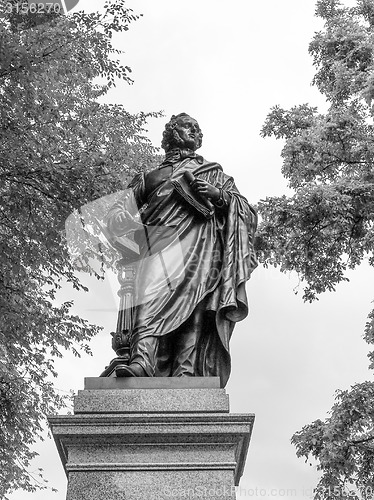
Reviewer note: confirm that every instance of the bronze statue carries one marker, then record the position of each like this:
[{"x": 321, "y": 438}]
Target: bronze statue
[{"x": 195, "y": 256}]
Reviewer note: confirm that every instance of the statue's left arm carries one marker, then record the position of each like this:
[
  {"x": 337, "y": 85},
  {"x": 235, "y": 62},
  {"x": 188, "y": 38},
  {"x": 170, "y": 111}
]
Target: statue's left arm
[
  {"x": 223, "y": 191},
  {"x": 237, "y": 220}
]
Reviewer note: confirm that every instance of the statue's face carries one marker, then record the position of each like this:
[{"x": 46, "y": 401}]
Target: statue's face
[{"x": 188, "y": 130}]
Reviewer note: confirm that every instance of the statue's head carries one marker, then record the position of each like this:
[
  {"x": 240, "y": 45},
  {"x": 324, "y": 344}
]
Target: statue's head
[{"x": 182, "y": 131}]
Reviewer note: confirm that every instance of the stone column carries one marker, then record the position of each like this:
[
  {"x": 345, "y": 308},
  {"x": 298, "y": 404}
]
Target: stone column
[{"x": 152, "y": 439}]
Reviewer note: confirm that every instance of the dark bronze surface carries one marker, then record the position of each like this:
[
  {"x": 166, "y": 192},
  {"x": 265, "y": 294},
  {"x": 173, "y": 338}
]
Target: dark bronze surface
[{"x": 179, "y": 311}]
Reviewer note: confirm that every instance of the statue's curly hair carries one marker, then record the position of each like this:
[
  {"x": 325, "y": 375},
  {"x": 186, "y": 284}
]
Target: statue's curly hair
[{"x": 171, "y": 137}]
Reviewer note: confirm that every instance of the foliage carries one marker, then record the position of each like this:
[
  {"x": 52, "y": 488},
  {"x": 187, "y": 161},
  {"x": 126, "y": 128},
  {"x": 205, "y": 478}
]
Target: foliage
[
  {"x": 60, "y": 149},
  {"x": 327, "y": 226},
  {"x": 343, "y": 445}
]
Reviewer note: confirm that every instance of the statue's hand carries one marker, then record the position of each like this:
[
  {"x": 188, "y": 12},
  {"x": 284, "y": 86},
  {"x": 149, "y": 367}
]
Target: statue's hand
[
  {"x": 205, "y": 189},
  {"x": 126, "y": 223}
]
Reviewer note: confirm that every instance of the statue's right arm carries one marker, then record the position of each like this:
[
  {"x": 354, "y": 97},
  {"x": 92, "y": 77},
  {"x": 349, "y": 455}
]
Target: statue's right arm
[
  {"x": 137, "y": 186},
  {"x": 121, "y": 216}
]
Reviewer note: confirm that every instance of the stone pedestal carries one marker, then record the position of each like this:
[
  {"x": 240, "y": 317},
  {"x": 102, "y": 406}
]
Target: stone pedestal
[{"x": 152, "y": 439}]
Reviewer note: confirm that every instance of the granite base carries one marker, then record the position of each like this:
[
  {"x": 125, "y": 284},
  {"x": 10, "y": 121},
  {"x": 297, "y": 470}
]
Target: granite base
[{"x": 148, "y": 443}]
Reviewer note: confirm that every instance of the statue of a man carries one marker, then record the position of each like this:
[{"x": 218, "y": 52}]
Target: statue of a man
[{"x": 196, "y": 254}]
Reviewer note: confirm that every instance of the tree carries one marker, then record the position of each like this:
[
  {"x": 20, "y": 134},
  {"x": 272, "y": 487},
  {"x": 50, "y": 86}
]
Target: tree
[
  {"x": 327, "y": 226},
  {"x": 60, "y": 148}
]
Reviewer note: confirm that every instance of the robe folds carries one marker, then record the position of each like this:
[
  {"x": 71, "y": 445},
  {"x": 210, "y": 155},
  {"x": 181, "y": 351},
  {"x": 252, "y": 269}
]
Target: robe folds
[{"x": 188, "y": 260}]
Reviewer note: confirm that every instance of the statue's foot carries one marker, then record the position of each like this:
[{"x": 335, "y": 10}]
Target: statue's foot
[{"x": 133, "y": 370}]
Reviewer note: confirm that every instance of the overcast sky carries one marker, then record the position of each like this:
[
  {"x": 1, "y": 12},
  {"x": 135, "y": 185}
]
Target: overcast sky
[{"x": 226, "y": 64}]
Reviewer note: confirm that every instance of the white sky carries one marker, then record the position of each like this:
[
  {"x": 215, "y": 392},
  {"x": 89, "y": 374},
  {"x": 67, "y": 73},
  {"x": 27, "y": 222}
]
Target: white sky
[{"x": 226, "y": 63}]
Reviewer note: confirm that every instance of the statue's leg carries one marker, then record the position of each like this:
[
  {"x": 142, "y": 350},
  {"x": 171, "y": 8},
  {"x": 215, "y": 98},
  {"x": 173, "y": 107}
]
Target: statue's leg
[
  {"x": 152, "y": 357},
  {"x": 143, "y": 354},
  {"x": 185, "y": 344}
]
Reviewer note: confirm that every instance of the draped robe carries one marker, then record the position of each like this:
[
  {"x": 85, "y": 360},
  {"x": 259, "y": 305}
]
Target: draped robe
[{"x": 187, "y": 260}]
